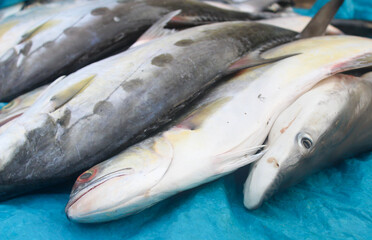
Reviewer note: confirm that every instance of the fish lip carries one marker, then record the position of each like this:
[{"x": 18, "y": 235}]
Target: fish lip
[{"x": 74, "y": 197}]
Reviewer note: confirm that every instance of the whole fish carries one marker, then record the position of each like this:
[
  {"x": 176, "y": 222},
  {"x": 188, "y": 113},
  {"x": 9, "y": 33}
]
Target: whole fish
[
  {"x": 326, "y": 125},
  {"x": 215, "y": 138},
  {"x": 82, "y": 33}
]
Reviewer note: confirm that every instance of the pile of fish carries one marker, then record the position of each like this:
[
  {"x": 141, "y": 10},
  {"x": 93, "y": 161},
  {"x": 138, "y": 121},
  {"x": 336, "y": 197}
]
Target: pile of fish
[{"x": 146, "y": 98}]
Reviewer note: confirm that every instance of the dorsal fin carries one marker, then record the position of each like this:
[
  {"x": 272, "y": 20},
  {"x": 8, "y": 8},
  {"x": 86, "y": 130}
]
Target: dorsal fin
[
  {"x": 321, "y": 20},
  {"x": 157, "y": 30}
]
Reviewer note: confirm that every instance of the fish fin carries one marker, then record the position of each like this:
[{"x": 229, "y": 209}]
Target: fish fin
[
  {"x": 157, "y": 30},
  {"x": 196, "y": 118},
  {"x": 66, "y": 95},
  {"x": 28, "y": 35},
  {"x": 232, "y": 160},
  {"x": 251, "y": 60},
  {"x": 363, "y": 61},
  {"x": 319, "y": 23}
]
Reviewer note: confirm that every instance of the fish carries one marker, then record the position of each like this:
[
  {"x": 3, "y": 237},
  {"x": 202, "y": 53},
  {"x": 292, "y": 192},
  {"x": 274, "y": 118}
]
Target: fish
[
  {"x": 18, "y": 106},
  {"x": 234, "y": 118},
  {"x": 354, "y": 27},
  {"x": 326, "y": 125},
  {"x": 91, "y": 115},
  {"x": 61, "y": 40}
]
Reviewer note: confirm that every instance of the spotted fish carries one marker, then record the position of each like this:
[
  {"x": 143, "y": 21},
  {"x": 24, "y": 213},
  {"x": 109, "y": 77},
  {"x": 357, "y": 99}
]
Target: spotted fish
[
  {"x": 55, "y": 44},
  {"x": 86, "y": 117}
]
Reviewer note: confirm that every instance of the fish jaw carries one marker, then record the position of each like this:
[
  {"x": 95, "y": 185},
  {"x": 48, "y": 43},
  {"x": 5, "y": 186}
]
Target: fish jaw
[
  {"x": 98, "y": 203},
  {"x": 264, "y": 175}
]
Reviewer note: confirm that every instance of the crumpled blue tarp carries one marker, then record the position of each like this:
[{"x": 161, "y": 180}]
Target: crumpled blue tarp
[
  {"x": 7, "y": 3},
  {"x": 333, "y": 204}
]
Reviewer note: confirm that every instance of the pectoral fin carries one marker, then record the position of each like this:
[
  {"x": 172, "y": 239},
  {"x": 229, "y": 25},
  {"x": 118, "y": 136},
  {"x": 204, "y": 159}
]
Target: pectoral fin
[
  {"x": 232, "y": 160},
  {"x": 28, "y": 35},
  {"x": 157, "y": 30},
  {"x": 195, "y": 119},
  {"x": 66, "y": 95}
]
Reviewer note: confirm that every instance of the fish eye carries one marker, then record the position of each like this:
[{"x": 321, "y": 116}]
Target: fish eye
[
  {"x": 87, "y": 175},
  {"x": 305, "y": 140}
]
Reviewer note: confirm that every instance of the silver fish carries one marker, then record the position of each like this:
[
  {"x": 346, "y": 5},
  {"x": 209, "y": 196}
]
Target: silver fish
[
  {"x": 89, "y": 115},
  {"x": 219, "y": 135},
  {"x": 324, "y": 126},
  {"x": 82, "y": 33}
]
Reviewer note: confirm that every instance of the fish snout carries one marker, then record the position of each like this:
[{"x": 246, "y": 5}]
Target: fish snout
[{"x": 261, "y": 182}]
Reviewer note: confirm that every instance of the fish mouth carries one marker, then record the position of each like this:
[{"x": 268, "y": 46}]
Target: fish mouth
[
  {"x": 75, "y": 196},
  {"x": 260, "y": 186}
]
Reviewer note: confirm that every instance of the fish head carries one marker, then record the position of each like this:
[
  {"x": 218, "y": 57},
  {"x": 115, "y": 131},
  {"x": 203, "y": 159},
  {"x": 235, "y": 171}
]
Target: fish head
[
  {"x": 119, "y": 186},
  {"x": 314, "y": 132}
]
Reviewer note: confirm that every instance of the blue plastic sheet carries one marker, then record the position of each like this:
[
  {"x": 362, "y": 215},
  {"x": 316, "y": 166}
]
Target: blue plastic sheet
[
  {"x": 350, "y": 9},
  {"x": 333, "y": 204},
  {"x": 7, "y": 3}
]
